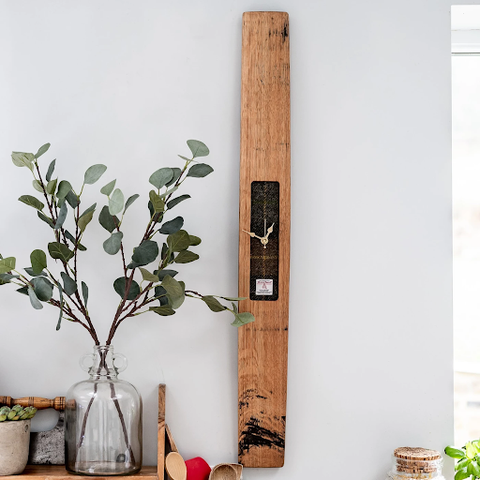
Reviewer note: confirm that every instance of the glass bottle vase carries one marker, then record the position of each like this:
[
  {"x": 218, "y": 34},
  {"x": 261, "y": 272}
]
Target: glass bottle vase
[{"x": 103, "y": 419}]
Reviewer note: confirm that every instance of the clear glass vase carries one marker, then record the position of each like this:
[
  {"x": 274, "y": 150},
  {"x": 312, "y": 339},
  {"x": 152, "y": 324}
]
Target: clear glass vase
[{"x": 103, "y": 419}]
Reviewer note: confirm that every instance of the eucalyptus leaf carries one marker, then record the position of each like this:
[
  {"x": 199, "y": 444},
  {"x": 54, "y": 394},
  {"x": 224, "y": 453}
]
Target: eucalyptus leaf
[
  {"x": 23, "y": 291},
  {"x": 177, "y": 200},
  {"x": 172, "y": 226},
  {"x": 107, "y": 221},
  {"x": 178, "y": 241},
  {"x": 51, "y": 169},
  {"x": 157, "y": 203},
  {"x": 185, "y": 158},
  {"x": 85, "y": 292},
  {"x": 69, "y": 284},
  {"x": 46, "y": 219},
  {"x": 120, "y": 285},
  {"x": 108, "y": 188},
  {"x": 130, "y": 200},
  {"x": 30, "y": 272},
  {"x": 194, "y": 241},
  {"x": 62, "y": 215},
  {"x": 148, "y": 277},
  {"x": 43, "y": 149},
  {"x": 7, "y": 264},
  {"x": 38, "y": 259},
  {"x": 164, "y": 310},
  {"x": 213, "y": 304},
  {"x": 161, "y": 177},
  {"x": 63, "y": 188},
  {"x": 198, "y": 149},
  {"x": 199, "y": 170},
  {"x": 72, "y": 199},
  {"x": 161, "y": 295},
  {"x": 7, "y": 277},
  {"x": 234, "y": 299},
  {"x": 116, "y": 202},
  {"x": 59, "y": 251},
  {"x": 176, "y": 175},
  {"x": 37, "y": 185},
  {"x": 86, "y": 217},
  {"x": 93, "y": 174},
  {"x": 113, "y": 244},
  {"x": 51, "y": 186},
  {"x": 22, "y": 159},
  {"x": 60, "y": 293},
  {"x": 145, "y": 253},
  {"x": 161, "y": 274},
  {"x": 36, "y": 303},
  {"x": 243, "y": 319},
  {"x": 168, "y": 192},
  {"x": 186, "y": 256},
  {"x": 175, "y": 291},
  {"x": 43, "y": 288},
  {"x": 32, "y": 202}
]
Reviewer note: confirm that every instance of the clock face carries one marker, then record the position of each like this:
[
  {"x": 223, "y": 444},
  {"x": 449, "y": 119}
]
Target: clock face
[{"x": 264, "y": 232}]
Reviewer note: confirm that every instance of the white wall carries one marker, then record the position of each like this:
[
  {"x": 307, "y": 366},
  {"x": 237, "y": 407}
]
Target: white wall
[{"x": 125, "y": 83}]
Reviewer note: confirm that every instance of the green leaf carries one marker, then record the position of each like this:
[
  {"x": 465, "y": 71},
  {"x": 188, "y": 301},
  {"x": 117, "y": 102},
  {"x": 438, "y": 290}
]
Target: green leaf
[
  {"x": 198, "y": 149},
  {"x": 454, "y": 452},
  {"x": 164, "y": 310},
  {"x": 243, "y": 319},
  {"x": 463, "y": 463},
  {"x": 171, "y": 226},
  {"x": 21, "y": 159},
  {"x": 161, "y": 274},
  {"x": 60, "y": 293},
  {"x": 51, "y": 169},
  {"x": 23, "y": 291},
  {"x": 69, "y": 284},
  {"x": 72, "y": 199},
  {"x": 59, "y": 251},
  {"x": 120, "y": 284},
  {"x": 474, "y": 468},
  {"x": 161, "y": 295},
  {"x": 177, "y": 200},
  {"x": 85, "y": 292},
  {"x": 7, "y": 264},
  {"x": 462, "y": 474},
  {"x": 471, "y": 450},
  {"x": 42, "y": 150},
  {"x": 194, "y": 241},
  {"x": 185, "y": 158},
  {"x": 234, "y": 299},
  {"x": 86, "y": 217},
  {"x": 32, "y": 202},
  {"x": 168, "y": 192},
  {"x": 51, "y": 186},
  {"x": 161, "y": 177},
  {"x": 62, "y": 215},
  {"x": 176, "y": 175},
  {"x": 175, "y": 291},
  {"x": 157, "y": 203},
  {"x": 213, "y": 304},
  {"x": 63, "y": 188},
  {"x": 115, "y": 202},
  {"x": 178, "y": 241},
  {"x": 37, "y": 185},
  {"x": 108, "y": 188},
  {"x": 38, "y": 259},
  {"x": 43, "y": 288},
  {"x": 199, "y": 170},
  {"x": 36, "y": 304},
  {"x": 7, "y": 277},
  {"x": 113, "y": 244},
  {"x": 94, "y": 173},
  {"x": 130, "y": 200},
  {"x": 30, "y": 272},
  {"x": 46, "y": 219},
  {"x": 145, "y": 253},
  {"x": 186, "y": 256},
  {"x": 148, "y": 277},
  {"x": 107, "y": 221}
]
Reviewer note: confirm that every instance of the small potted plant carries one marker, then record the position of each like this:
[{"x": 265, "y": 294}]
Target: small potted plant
[
  {"x": 468, "y": 460},
  {"x": 14, "y": 438}
]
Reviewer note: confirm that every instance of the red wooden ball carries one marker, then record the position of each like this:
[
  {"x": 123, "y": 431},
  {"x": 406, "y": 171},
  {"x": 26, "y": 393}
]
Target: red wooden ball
[{"x": 197, "y": 469}]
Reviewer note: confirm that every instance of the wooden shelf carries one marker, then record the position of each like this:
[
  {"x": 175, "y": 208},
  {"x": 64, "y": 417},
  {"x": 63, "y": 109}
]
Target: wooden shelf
[{"x": 58, "y": 472}]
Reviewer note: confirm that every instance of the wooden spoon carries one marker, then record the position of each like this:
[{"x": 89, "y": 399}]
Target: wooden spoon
[
  {"x": 175, "y": 466},
  {"x": 223, "y": 472}
]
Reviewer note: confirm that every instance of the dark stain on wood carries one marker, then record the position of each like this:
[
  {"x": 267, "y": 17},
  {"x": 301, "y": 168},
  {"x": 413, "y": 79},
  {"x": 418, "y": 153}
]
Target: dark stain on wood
[{"x": 256, "y": 436}]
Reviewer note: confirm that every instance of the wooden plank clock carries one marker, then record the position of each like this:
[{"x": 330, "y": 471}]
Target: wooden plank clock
[{"x": 264, "y": 243}]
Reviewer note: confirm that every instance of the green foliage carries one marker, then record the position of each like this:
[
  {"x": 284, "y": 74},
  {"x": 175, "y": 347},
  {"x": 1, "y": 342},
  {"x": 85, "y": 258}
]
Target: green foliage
[
  {"x": 60, "y": 209},
  {"x": 468, "y": 460},
  {"x": 16, "y": 413}
]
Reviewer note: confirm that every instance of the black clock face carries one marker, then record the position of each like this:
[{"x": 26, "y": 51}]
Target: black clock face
[{"x": 265, "y": 224}]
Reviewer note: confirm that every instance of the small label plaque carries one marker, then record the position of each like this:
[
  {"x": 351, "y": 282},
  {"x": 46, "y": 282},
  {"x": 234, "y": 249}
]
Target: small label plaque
[{"x": 264, "y": 286}]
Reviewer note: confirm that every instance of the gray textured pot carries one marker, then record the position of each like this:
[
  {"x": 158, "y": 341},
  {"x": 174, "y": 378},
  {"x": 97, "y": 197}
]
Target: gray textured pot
[{"x": 14, "y": 443}]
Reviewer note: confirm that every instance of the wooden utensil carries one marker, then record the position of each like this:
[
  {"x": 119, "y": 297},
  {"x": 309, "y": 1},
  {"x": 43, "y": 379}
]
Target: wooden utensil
[
  {"x": 175, "y": 465},
  {"x": 224, "y": 471}
]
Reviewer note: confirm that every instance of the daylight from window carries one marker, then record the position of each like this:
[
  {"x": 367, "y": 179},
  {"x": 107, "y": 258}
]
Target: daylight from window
[{"x": 466, "y": 218}]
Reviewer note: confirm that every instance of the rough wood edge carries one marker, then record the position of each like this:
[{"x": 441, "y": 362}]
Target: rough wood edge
[{"x": 161, "y": 432}]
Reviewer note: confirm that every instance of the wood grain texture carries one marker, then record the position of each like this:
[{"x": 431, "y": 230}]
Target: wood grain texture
[
  {"x": 161, "y": 432},
  {"x": 264, "y": 156},
  {"x": 58, "y": 403}
]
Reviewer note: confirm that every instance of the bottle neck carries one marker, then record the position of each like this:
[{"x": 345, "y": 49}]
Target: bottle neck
[{"x": 103, "y": 363}]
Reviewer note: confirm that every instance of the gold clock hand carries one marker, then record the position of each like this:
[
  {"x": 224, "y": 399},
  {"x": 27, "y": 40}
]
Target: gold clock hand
[
  {"x": 252, "y": 234},
  {"x": 269, "y": 231}
]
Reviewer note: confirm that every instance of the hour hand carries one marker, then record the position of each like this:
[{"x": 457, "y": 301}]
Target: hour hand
[
  {"x": 252, "y": 234},
  {"x": 269, "y": 231}
]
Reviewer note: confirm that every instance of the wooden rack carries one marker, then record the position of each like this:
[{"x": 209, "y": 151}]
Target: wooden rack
[{"x": 58, "y": 472}]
